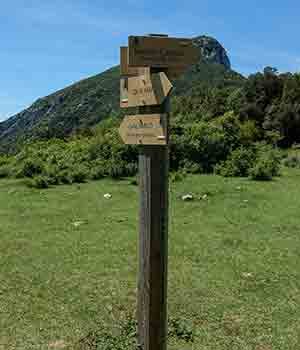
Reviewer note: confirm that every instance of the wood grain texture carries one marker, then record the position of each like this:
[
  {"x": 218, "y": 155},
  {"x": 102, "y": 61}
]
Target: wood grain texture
[
  {"x": 144, "y": 129},
  {"x": 148, "y": 90},
  {"x": 163, "y": 52},
  {"x": 127, "y": 71},
  {"x": 153, "y": 245}
]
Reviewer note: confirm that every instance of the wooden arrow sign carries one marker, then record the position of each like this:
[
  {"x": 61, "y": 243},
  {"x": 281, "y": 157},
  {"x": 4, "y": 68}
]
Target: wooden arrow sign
[
  {"x": 161, "y": 52},
  {"x": 144, "y": 129},
  {"x": 146, "y": 90}
]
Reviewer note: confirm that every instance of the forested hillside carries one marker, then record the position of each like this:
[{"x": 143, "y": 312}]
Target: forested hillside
[
  {"x": 221, "y": 122},
  {"x": 234, "y": 129},
  {"x": 89, "y": 101}
]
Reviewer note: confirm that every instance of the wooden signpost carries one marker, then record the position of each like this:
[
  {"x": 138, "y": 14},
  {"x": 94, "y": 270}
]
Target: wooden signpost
[
  {"x": 163, "y": 52},
  {"x": 127, "y": 71},
  {"x": 144, "y": 129},
  {"x": 146, "y": 90},
  {"x": 146, "y": 67}
]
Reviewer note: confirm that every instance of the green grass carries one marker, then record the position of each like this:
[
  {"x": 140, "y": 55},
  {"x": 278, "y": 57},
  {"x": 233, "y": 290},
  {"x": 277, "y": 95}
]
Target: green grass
[{"x": 233, "y": 262}]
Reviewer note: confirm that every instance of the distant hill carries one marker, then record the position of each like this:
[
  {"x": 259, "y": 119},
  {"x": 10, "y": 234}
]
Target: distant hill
[{"x": 89, "y": 101}]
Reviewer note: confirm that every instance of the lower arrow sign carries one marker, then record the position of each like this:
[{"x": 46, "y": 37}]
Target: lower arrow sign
[{"x": 144, "y": 129}]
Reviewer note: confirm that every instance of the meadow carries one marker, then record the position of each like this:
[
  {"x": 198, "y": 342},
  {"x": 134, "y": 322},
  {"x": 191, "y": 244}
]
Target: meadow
[{"x": 68, "y": 260}]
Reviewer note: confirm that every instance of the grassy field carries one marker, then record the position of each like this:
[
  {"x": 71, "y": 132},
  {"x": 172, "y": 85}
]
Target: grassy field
[{"x": 68, "y": 260}]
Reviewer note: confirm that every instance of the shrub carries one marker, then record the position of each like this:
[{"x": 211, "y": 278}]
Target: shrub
[
  {"x": 191, "y": 167},
  {"x": 292, "y": 161},
  {"x": 97, "y": 173},
  {"x": 178, "y": 176},
  {"x": 202, "y": 143},
  {"x": 131, "y": 169},
  {"x": 262, "y": 170},
  {"x": 115, "y": 169},
  {"x": 29, "y": 168},
  {"x": 79, "y": 174},
  {"x": 267, "y": 164},
  {"x": 4, "y": 160},
  {"x": 5, "y": 171},
  {"x": 238, "y": 164},
  {"x": 52, "y": 173},
  {"x": 64, "y": 177},
  {"x": 39, "y": 182},
  {"x": 249, "y": 132}
]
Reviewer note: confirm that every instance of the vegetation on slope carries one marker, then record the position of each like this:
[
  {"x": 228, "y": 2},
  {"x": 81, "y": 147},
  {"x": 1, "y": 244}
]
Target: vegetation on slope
[
  {"x": 213, "y": 128},
  {"x": 79, "y": 106},
  {"x": 87, "y": 102}
]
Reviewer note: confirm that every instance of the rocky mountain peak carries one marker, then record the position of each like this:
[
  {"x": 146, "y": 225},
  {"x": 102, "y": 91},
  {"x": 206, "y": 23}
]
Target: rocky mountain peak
[{"x": 212, "y": 50}]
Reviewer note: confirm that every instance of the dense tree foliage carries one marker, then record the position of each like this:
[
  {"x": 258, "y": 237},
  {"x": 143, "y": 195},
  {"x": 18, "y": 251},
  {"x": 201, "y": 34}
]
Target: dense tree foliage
[{"x": 230, "y": 129}]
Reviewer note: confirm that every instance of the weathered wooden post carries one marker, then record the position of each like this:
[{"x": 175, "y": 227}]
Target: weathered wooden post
[
  {"x": 153, "y": 246},
  {"x": 149, "y": 91}
]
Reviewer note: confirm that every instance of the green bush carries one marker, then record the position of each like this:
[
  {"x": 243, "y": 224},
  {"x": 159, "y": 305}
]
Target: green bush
[
  {"x": 203, "y": 144},
  {"x": 4, "y": 160},
  {"x": 262, "y": 170},
  {"x": 5, "y": 171},
  {"x": 224, "y": 143},
  {"x": 238, "y": 164},
  {"x": 79, "y": 174},
  {"x": 178, "y": 176},
  {"x": 267, "y": 164},
  {"x": 29, "y": 168},
  {"x": 115, "y": 169},
  {"x": 292, "y": 161},
  {"x": 64, "y": 177},
  {"x": 40, "y": 182},
  {"x": 191, "y": 167},
  {"x": 260, "y": 162},
  {"x": 97, "y": 173},
  {"x": 131, "y": 169}
]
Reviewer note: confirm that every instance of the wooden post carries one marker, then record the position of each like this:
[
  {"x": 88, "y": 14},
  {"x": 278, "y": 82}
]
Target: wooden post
[
  {"x": 171, "y": 56},
  {"x": 153, "y": 241}
]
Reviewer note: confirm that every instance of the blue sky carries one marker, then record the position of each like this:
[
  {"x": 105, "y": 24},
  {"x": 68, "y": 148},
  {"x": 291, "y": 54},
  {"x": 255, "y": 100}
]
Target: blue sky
[{"x": 47, "y": 45}]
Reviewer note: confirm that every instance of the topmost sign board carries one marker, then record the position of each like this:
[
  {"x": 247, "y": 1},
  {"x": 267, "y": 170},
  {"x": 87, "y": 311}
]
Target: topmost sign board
[
  {"x": 127, "y": 71},
  {"x": 161, "y": 52}
]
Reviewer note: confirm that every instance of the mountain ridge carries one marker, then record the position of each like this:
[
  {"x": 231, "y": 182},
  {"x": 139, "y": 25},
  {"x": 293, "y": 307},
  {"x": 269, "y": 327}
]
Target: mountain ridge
[{"x": 87, "y": 102}]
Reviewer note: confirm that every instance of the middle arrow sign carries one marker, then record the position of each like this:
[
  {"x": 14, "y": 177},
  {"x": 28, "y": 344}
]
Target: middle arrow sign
[
  {"x": 147, "y": 90},
  {"x": 144, "y": 129}
]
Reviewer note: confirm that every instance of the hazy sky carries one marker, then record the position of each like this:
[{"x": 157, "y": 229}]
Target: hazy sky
[{"x": 46, "y": 45}]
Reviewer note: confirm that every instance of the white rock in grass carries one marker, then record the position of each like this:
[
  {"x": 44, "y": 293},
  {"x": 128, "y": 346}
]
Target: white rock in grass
[
  {"x": 205, "y": 196},
  {"x": 247, "y": 275},
  {"x": 107, "y": 196},
  {"x": 59, "y": 344},
  {"x": 78, "y": 223},
  {"x": 187, "y": 197}
]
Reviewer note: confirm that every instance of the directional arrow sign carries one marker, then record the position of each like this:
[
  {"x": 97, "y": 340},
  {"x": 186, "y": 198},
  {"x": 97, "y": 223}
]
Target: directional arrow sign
[
  {"x": 161, "y": 52},
  {"x": 147, "y": 90},
  {"x": 144, "y": 129}
]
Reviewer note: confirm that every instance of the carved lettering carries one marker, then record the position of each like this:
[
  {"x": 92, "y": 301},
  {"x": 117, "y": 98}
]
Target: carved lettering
[{"x": 144, "y": 129}]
